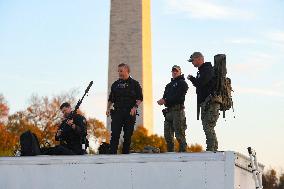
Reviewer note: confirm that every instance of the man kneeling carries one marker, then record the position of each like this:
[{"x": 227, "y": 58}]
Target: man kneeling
[{"x": 71, "y": 134}]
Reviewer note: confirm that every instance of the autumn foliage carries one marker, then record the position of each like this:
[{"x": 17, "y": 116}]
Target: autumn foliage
[
  {"x": 140, "y": 139},
  {"x": 270, "y": 180},
  {"x": 43, "y": 116}
]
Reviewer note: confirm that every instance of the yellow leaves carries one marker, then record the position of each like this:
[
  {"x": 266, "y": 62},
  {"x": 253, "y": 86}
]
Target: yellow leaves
[
  {"x": 43, "y": 116},
  {"x": 194, "y": 148},
  {"x": 8, "y": 141},
  {"x": 97, "y": 129},
  {"x": 140, "y": 139}
]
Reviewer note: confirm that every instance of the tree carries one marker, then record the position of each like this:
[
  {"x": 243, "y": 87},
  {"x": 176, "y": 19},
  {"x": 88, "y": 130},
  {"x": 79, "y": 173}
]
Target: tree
[
  {"x": 140, "y": 139},
  {"x": 281, "y": 181},
  {"x": 41, "y": 117},
  {"x": 97, "y": 129},
  {"x": 195, "y": 148},
  {"x": 4, "y": 109},
  {"x": 8, "y": 141},
  {"x": 269, "y": 179},
  {"x": 18, "y": 123}
]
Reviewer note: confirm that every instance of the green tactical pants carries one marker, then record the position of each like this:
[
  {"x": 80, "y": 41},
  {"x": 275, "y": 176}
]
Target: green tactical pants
[
  {"x": 175, "y": 124},
  {"x": 209, "y": 117}
]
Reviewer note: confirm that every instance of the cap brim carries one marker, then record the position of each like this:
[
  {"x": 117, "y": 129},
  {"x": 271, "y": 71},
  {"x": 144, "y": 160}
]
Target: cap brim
[
  {"x": 175, "y": 69},
  {"x": 190, "y": 60}
]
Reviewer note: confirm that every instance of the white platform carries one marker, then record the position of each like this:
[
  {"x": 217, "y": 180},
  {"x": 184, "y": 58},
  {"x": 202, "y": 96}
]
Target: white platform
[{"x": 207, "y": 170}]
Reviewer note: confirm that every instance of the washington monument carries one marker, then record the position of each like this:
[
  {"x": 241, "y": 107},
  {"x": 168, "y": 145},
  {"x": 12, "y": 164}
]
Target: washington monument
[{"x": 130, "y": 42}]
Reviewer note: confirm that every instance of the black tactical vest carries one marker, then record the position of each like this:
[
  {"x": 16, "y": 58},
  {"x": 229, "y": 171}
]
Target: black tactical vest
[{"x": 124, "y": 94}]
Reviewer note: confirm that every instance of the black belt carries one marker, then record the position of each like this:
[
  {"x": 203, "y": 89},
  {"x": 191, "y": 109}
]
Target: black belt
[
  {"x": 122, "y": 109},
  {"x": 176, "y": 107}
]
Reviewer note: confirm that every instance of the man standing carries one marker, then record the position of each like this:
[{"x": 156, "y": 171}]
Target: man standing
[
  {"x": 204, "y": 83},
  {"x": 125, "y": 96},
  {"x": 175, "y": 120}
]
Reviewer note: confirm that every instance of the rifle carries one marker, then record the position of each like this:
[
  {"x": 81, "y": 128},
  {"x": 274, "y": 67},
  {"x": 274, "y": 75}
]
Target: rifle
[
  {"x": 198, "y": 111},
  {"x": 71, "y": 115}
]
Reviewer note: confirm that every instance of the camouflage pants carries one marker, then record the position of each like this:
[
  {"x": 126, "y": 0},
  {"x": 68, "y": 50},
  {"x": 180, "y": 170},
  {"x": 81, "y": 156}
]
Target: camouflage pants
[
  {"x": 175, "y": 123},
  {"x": 209, "y": 117}
]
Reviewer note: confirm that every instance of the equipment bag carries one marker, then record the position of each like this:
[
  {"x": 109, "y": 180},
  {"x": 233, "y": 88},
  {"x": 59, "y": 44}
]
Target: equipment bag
[
  {"x": 29, "y": 144},
  {"x": 223, "y": 88}
]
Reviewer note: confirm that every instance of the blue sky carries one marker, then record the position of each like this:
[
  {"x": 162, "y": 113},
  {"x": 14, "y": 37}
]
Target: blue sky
[{"x": 49, "y": 47}]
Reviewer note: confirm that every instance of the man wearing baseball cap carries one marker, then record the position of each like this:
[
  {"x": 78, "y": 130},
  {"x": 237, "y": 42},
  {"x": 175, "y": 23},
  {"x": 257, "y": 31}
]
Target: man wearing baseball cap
[
  {"x": 175, "y": 120},
  {"x": 204, "y": 83}
]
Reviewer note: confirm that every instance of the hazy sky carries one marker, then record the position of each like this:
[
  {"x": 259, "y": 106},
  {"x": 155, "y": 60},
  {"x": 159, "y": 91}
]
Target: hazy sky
[{"x": 49, "y": 47}]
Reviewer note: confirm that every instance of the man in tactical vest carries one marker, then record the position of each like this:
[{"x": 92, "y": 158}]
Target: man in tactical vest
[
  {"x": 175, "y": 120},
  {"x": 125, "y": 96},
  {"x": 204, "y": 83}
]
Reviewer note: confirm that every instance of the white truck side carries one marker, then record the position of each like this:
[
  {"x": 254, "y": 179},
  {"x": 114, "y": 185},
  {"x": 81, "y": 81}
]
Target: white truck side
[{"x": 205, "y": 170}]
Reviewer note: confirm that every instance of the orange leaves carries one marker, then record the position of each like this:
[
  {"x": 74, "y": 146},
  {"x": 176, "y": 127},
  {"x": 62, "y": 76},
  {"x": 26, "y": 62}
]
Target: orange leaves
[{"x": 8, "y": 141}]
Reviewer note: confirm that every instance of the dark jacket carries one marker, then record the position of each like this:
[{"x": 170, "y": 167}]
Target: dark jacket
[
  {"x": 72, "y": 138},
  {"x": 204, "y": 82},
  {"x": 175, "y": 92},
  {"x": 124, "y": 93}
]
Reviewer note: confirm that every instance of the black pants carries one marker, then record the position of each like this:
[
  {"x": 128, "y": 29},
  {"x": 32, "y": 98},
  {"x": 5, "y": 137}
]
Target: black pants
[
  {"x": 57, "y": 150},
  {"x": 121, "y": 119}
]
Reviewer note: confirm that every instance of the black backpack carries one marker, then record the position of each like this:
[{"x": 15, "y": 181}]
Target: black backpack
[
  {"x": 29, "y": 144},
  {"x": 104, "y": 148},
  {"x": 223, "y": 88}
]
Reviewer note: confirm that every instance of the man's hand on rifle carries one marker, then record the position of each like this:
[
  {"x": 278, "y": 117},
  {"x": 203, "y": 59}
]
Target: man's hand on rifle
[
  {"x": 133, "y": 111},
  {"x": 58, "y": 133},
  {"x": 70, "y": 123}
]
